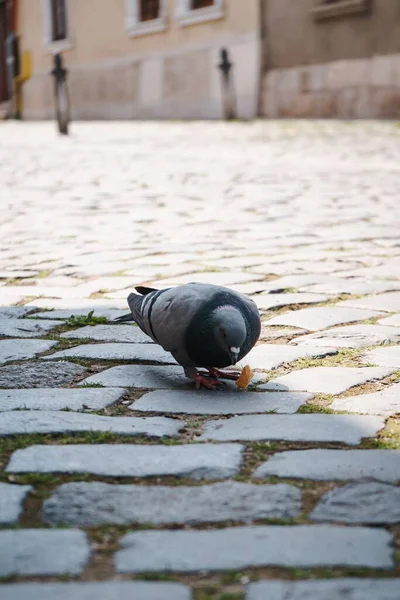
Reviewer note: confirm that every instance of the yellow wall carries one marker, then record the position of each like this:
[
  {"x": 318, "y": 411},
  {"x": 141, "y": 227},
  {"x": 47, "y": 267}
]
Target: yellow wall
[{"x": 151, "y": 70}]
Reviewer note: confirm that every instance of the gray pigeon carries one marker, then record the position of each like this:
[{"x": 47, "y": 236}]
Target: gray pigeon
[{"x": 202, "y": 325}]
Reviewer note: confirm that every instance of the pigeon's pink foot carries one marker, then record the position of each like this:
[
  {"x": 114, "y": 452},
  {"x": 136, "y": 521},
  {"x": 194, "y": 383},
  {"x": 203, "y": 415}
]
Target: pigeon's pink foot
[
  {"x": 210, "y": 384},
  {"x": 216, "y": 373}
]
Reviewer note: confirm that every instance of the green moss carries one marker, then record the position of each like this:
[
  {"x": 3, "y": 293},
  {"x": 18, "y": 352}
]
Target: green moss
[{"x": 92, "y": 385}]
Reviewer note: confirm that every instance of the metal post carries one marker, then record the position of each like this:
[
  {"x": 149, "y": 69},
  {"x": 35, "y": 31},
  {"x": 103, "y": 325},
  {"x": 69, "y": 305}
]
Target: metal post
[
  {"x": 228, "y": 87},
  {"x": 61, "y": 94}
]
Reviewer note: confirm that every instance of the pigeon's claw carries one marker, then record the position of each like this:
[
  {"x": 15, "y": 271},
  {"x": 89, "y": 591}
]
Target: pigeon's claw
[
  {"x": 216, "y": 373},
  {"x": 210, "y": 384}
]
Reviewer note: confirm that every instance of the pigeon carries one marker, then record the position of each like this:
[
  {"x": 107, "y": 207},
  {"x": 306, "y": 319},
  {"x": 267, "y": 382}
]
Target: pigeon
[{"x": 200, "y": 324}]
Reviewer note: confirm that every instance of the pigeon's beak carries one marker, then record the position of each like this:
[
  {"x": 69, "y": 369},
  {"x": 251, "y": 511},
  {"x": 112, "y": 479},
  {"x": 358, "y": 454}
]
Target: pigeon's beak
[{"x": 234, "y": 353}]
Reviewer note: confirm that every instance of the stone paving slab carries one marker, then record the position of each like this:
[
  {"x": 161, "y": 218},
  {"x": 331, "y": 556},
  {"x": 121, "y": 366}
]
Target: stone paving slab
[
  {"x": 18, "y": 274},
  {"x": 198, "y": 461},
  {"x": 66, "y": 313},
  {"x": 386, "y": 402},
  {"x": 329, "y": 465},
  {"x": 26, "y": 328},
  {"x": 59, "y": 399},
  {"x": 20, "y": 422},
  {"x": 324, "y": 589},
  {"x": 271, "y": 356},
  {"x": 14, "y": 312},
  {"x": 389, "y": 302},
  {"x": 393, "y": 320},
  {"x": 18, "y": 349},
  {"x": 217, "y": 278},
  {"x": 116, "y": 351},
  {"x": 241, "y": 547},
  {"x": 36, "y": 374},
  {"x": 266, "y": 301},
  {"x": 222, "y": 403},
  {"x": 352, "y": 286},
  {"x": 385, "y": 357},
  {"x": 369, "y": 502},
  {"x": 351, "y": 336},
  {"x": 349, "y": 429},
  {"x": 145, "y": 376},
  {"x": 43, "y": 552},
  {"x": 109, "y": 333},
  {"x": 327, "y": 380},
  {"x": 321, "y": 317},
  {"x": 93, "y": 590},
  {"x": 11, "y": 501},
  {"x": 95, "y": 503}
]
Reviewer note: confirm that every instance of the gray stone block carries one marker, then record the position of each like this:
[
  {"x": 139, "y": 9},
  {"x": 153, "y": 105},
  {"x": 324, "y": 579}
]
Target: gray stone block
[
  {"x": 20, "y": 422},
  {"x": 43, "y": 552},
  {"x": 385, "y": 357},
  {"x": 393, "y": 320},
  {"x": 365, "y": 502},
  {"x": 26, "y": 328},
  {"x": 327, "y": 380},
  {"x": 271, "y": 356},
  {"x": 94, "y": 590},
  {"x": 116, "y": 351},
  {"x": 351, "y": 336},
  {"x": 59, "y": 399},
  {"x": 143, "y": 376},
  {"x": 266, "y": 301},
  {"x": 11, "y": 501},
  {"x": 324, "y": 589},
  {"x": 352, "y": 285},
  {"x": 385, "y": 402},
  {"x": 198, "y": 461},
  {"x": 223, "y": 403},
  {"x": 389, "y": 302},
  {"x": 91, "y": 504},
  {"x": 36, "y": 374},
  {"x": 110, "y": 333},
  {"x": 329, "y": 465},
  {"x": 18, "y": 349},
  {"x": 322, "y": 317},
  {"x": 349, "y": 429},
  {"x": 14, "y": 312},
  {"x": 261, "y": 546}
]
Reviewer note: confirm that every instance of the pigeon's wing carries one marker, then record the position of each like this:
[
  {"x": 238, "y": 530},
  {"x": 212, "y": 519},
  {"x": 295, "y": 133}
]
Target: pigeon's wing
[{"x": 168, "y": 314}]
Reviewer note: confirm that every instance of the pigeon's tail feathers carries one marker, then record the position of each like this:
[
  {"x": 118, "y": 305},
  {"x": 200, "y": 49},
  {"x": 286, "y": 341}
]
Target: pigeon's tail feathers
[
  {"x": 123, "y": 318},
  {"x": 143, "y": 290},
  {"x": 135, "y": 304}
]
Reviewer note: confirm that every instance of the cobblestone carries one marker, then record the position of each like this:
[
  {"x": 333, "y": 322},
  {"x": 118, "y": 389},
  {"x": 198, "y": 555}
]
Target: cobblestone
[
  {"x": 294, "y": 428},
  {"x": 36, "y": 374},
  {"x": 352, "y": 336},
  {"x": 240, "y": 547},
  {"x": 322, "y": 317},
  {"x": 46, "y": 421},
  {"x": 382, "y": 465},
  {"x": 386, "y": 402},
  {"x": 109, "y": 333},
  {"x": 11, "y": 500},
  {"x": 202, "y": 461},
  {"x": 226, "y": 403},
  {"x": 59, "y": 399},
  {"x": 89, "y": 504},
  {"x": 18, "y": 349},
  {"x": 105, "y": 590},
  {"x": 351, "y": 589},
  {"x": 43, "y": 552},
  {"x": 149, "y": 352}
]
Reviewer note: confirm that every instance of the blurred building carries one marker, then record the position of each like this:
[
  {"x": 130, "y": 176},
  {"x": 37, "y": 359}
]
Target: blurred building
[
  {"x": 141, "y": 58},
  {"x": 7, "y": 25},
  {"x": 131, "y": 59},
  {"x": 331, "y": 58}
]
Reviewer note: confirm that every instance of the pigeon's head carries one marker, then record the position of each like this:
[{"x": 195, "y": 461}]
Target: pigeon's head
[{"x": 230, "y": 331}]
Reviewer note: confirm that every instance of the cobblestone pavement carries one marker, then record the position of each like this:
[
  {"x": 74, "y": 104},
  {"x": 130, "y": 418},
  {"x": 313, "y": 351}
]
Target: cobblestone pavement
[{"x": 117, "y": 478}]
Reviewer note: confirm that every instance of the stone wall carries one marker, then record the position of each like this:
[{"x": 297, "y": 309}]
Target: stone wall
[{"x": 363, "y": 88}]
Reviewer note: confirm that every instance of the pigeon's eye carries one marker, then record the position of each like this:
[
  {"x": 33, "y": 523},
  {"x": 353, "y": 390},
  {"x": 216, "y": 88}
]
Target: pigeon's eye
[{"x": 223, "y": 333}]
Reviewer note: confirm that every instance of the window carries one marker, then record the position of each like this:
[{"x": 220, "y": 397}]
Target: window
[
  {"x": 55, "y": 14},
  {"x": 190, "y": 12},
  {"x": 201, "y": 4},
  {"x": 149, "y": 10},
  {"x": 145, "y": 16},
  {"x": 58, "y": 16}
]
